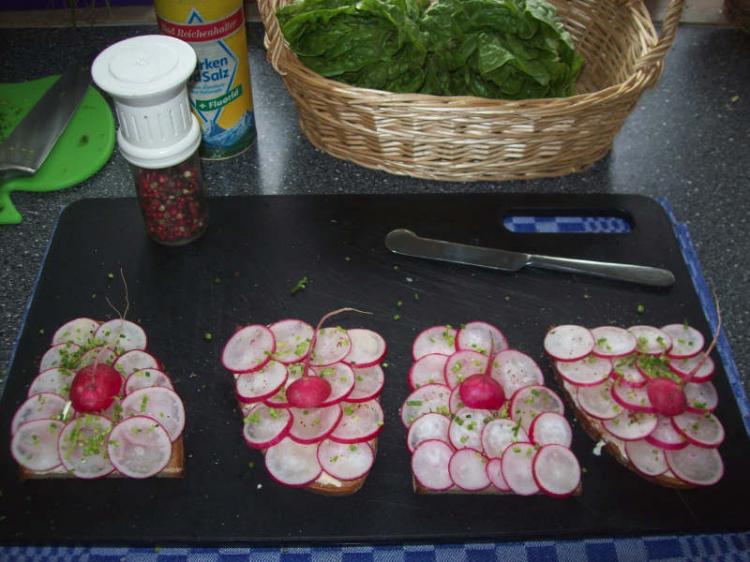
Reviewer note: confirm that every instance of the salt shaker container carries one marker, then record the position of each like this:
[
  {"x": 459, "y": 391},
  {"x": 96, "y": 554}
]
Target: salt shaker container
[{"x": 158, "y": 135}]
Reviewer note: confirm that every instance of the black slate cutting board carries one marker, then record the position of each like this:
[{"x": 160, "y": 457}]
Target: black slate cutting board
[{"x": 242, "y": 271}]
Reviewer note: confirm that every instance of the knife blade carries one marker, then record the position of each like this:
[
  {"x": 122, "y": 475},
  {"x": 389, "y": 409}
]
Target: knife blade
[
  {"x": 405, "y": 242},
  {"x": 26, "y": 148}
]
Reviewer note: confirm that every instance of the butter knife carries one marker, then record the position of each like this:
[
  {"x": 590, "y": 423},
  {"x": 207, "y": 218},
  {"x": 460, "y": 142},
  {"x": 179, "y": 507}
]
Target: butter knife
[{"x": 405, "y": 242}]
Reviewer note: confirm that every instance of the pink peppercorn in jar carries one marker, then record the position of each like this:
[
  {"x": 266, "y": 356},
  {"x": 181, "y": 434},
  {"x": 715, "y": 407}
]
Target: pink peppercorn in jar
[{"x": 158, "y": 134}]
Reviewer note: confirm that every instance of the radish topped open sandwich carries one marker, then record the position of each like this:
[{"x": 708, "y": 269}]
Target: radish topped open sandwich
[
  {"x": 101, "y": 405},
  {"x": 645, "y": 394},
  {"x": 480, "y": 419},
  {"x": 309, "y": 400}
]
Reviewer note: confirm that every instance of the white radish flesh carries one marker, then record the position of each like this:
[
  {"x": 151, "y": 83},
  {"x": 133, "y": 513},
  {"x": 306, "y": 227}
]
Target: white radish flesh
[
  {"x": 79, "y": 331},
  {"x": 83, "y": 445},
  {"x": 345, "y": 462},
  {"x": 43, "y": 406},
  {"x": 139, "y": 447},
  {"x": 135, "y": 360},
  {"x": 60, "y": 355},
  {"x": 665, "y": 436},
  {"x": 703, "y": 430},
  {"x": 597, "y": 401},
  {"x": 248, "y": 349},
  {"x": 360, "y": 422},
  {"x": 467, "y": 469},
  {"x": 293, "y": 338},
  {"x": 147, "y": 378},
  {"x": 428, "y": 398},
  {"x": 368, "y": 384},
  {"x": 454, "y": 402},
  {"x": 429, "y": 369},
  {"x": 556, "y": 471},
  {"x": 481, "y": 337},
  {"x": 341, "y": 378},
  {"x": 696, "y": 465},
  {"x": 463, "y": 364},
  {"x": 55, "y": 381},
  {"x": 495, "y": 473},
  {"x": 158, "y": 403},
  {"x": 261, "y": 384},
  {"x": 279, "y": 400},
  {"x": 647, "y": 459},
  {"x": 686, "y": 340},
  {"x": 331, "y": 346},
  {"x": 550, "y": 428},
  {"x": 428, "y": 427},
  {"x": 515, "y": 370},
  {"x": 632, "y": 398},
  {"x": 630, "y": 426},
  {"x": 626, "y": 373},
  {"x": 611, "y": 341},
  {"x": 34, "y": 445},
  {"x": 531, "y": 401},
  {"x": 701, "y": 397},
  {"x": 569, "y": 342},
  {"x": 430, "y": 463},
  {"x": 99, "y": 355},
  {"x": 265, "y": 426},
  {"x": 650, "y": 340},
  {"x": 122, "y": 335},
  {"x": 589, "y": 371},
  {"x": 466, "y": 427},
  {"x": 498, "y": 434},
  {"x": 293, "y": 464},
  {"x": 694, "y": 369},
  {"x": 312, "y": 425},
  {"x": 438, "y": 339},
  {"x": 517, "y": 468},
  {"x": 368, "y": 348}
]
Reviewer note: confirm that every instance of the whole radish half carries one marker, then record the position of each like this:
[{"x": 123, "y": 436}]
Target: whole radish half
[
  {"x": 482, "y": 391},
  {"x": 667, "y": 397},
  {"x": 94, "y": 388}
]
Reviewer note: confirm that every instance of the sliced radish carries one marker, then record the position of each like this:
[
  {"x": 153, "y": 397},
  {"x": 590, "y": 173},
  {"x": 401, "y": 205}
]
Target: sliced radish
[
  {"x": 429, "y": 369},
  {"x": 556, "y": 471},
  {"x": 694, "y": 369},
  {"x": 430, "y": 463},
  {"x": 361, "y": 421},
  {"x": 494, "y": 470},
  {"x": 686, "y": 340},
  {"x": 569, "y": 342},
  {"x": 83, "y": 446},
  {"x": 665, "y": 436},
  {"x": 466, "y": 427},
  {"x": 514, "y": 370},
  {"x": 630, "y": 426},
  {"x": 438, "y": 339},
  {"x": 632, "y": 398},
  {"x": 368, "y": 348},
  {"x": 454, "y": 402},
  {"x": 341, "y": 378},
  {"x": 79, "y": 331},
  {"x": 99, "y": 355},
  {"x": 550, "y": 428},
  {"x": 650, "y": 340},
  {"x": 42, "y": 406},
  {"x": 517, "y": 468},
  {"x": 293, "y": 464},
  {"x": 293, "y": 339},
  {"x": 497, "y": 434},
  {"x": 426, "y": 428},
  {"x": 481, "y": 337},
  {"x": 461, "y": 365},
  {"x": 345, "y": 462},
  {"x": 60, "y": 355},
  {"x": 467, "y": 469},
  {"x": 331, "y": 346},
  {"x": 703, "y": 430},
  {"x": 34, "y": 444},
  {"x": 135, "y": 360},
  {"x": 701, "y": 397},
  {"x": 696, "y": 465},
  {"x": 589, "y": 371},
  {"x": 147, "y": 378},
  {"x": 428, "y": 398},
  {"x": 55, "y": 381},
  {"x": 159, "y": 403},
  {"x": 139, "y": 447},
  {"x": 368, "y": 384},
  {"x": 628, "y": 374},
  {"x": 122, "y": 335},
  {"x": 528, "y": 402},
  {"x": 265, "y": 426},
  {"x": 647, "y": 459},
  {"x": 279, "y": 400},
  {"x": 611, "y": 341},
  {"x": 597, "y": 401},
  {"x": 248, "y": 349},
  {"x": 312, "y": 425},
  {"x": 256, "y": 386}
]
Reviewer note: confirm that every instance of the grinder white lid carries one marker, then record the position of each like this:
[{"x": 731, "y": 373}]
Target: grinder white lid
[{"x": 147, "y": 79}]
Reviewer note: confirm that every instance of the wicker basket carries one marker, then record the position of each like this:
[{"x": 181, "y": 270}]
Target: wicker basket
[{"x": 470, "y": 139}]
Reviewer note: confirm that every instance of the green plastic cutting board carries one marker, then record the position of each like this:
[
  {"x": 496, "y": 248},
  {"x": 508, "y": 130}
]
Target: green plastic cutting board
[{"x": 80, "y": 152}]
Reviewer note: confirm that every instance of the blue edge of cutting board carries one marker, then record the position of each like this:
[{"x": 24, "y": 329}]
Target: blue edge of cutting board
[{"x": 734, "y": 546}]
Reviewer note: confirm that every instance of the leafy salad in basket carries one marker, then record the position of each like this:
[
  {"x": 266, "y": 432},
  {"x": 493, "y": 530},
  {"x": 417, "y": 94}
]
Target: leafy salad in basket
[{"x": 508, "y": 49}]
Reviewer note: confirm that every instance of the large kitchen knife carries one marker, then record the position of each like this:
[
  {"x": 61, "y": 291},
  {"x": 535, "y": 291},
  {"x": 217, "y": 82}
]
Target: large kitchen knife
[
  {"x": 402, "y": 241},
  {"x": 26, "y": 148}
]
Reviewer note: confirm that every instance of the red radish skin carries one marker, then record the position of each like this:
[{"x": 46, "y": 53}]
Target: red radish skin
[
  {"x": 429, "y": 369},
  {"x": 94, "y": 387},
  {"x": 340, "y": 378},
  {"x": 665, "y": 436},
  {"x": 135, "y": 360},
  {"x": 454, "y": 402},
  {"x": 467, "y": 470},
  {"x": 262, "y": 384},
  {"x": 556, "y": 471},
  {"x": 293, "y": 338},
  {"x": 551, "y": 428},
  {"x": 694, "y": 369},
  {"x": 437, "y": 339},
  {"x": 315, "y": 424},
  {"x": 360, "y": 422},
  {"x": 632, "y": 399},
  {"x": 702, "y": 430},
  {"x": 628, "y": 374},
  {"x": 430, "y": 465},
  {"x": 481, "y": 337},
  {"x": 249, "y": 349},
  {"x": 368, "y": 348},
  {"x": 568, "y": 342},
  {"x": 667, "y": 397},
  {"x": 330, "y": 345},
  {"x": 686, "y": 340},
  {"x": 631, "y": 426},
  {"x": 308, "y": 392},
  {"x": 589, "y": 371},
  {"x": 482, "y": 391},
  {"x": 428, "y": 427},
  {"x": 529, "y": 402},
  {"x": 494, "y": 470},
  {"x": 265, "y": 427}
]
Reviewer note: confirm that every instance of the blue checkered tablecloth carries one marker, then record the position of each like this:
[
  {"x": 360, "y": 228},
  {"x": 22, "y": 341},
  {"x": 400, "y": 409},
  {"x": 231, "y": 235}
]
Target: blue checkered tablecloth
[{"x": 720, "y": 547}]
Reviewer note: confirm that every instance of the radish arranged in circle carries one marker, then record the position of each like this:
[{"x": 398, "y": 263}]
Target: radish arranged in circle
[
  {"x": 94, "y": 379},
  {"x": 656, "y": 405},
  {"x": 304, "y": 445},
  {"x": 487, "y": 447}
]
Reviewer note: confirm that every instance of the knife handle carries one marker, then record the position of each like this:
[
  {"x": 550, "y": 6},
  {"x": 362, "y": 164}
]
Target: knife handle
[{"x": 652, "y": 276}]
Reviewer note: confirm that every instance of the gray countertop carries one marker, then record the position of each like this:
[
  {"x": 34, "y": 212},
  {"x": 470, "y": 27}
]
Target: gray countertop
[{"x": 687, "y": 140}]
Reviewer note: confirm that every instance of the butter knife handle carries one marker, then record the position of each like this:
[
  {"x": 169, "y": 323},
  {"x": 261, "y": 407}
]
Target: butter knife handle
[{"x": 652, "y": 276}]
